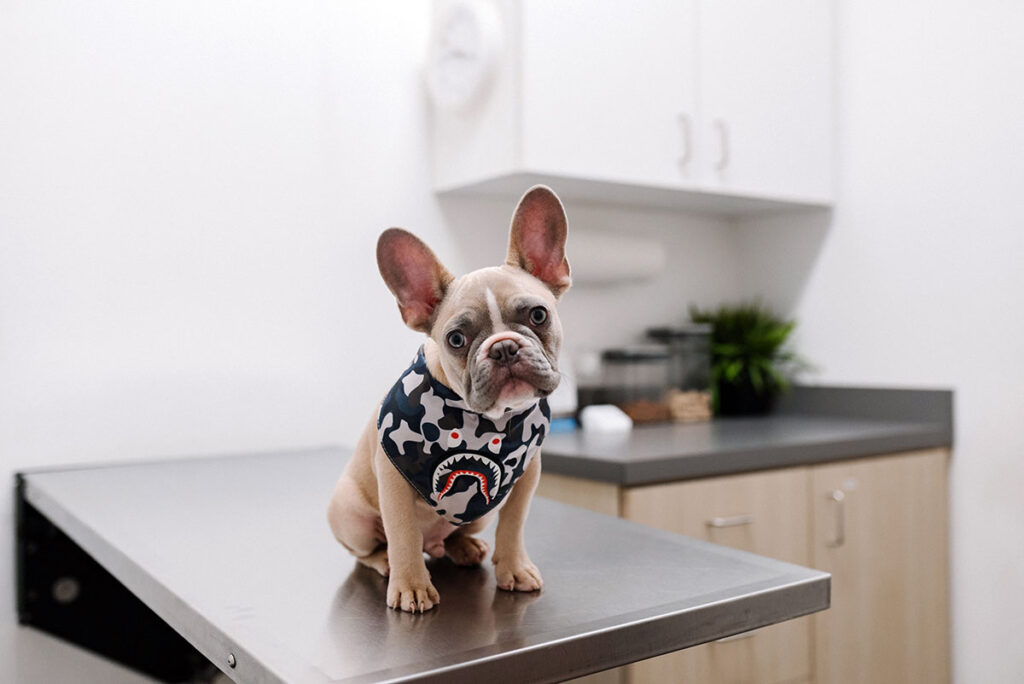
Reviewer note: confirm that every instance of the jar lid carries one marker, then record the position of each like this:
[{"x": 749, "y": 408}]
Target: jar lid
[
  {"x": 682, "y": 332},
  {"x": 638, "y": 354}
]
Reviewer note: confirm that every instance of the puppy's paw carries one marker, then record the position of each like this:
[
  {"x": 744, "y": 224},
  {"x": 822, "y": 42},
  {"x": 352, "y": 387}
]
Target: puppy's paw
[
  {"x": 517, "y": 574},
  {"x": 466, "y": 550},
  {"x": 412, "y": 593}
]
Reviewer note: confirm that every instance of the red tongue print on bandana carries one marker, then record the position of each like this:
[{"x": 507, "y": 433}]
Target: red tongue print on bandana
[{"x": 482, "y": 471}]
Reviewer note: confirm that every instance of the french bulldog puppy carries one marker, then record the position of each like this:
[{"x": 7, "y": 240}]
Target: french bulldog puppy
[{"x": 455, "y": 442}]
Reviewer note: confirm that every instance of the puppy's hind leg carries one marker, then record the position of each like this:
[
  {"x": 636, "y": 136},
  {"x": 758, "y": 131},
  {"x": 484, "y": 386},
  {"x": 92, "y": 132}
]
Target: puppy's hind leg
[
  {"x": 357, "y": 526},
  {"x": 464, "y": 549},
  {"x": 378, "y": 560}
]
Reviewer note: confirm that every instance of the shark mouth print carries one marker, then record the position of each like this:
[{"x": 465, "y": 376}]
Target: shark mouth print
[
  {"x": 485, "y": 471},
  {"x": 460, "y": 462}
]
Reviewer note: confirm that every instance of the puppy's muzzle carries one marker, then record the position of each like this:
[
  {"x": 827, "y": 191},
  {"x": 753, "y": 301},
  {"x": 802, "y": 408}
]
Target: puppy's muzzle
[
  {"x": 504, "y": 351},
  {"x": 502, "y": 348}
]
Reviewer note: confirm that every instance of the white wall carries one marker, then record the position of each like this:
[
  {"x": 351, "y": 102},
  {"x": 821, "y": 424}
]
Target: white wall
[
  {"x": 190, "y": 193},
  {"x": 919, "y": 281}
]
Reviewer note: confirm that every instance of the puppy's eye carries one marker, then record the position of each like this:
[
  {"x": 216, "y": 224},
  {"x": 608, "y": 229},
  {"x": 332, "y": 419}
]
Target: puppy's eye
[
  {"x": 538, "y": 315},
  {"x": 456, "y": 340}
]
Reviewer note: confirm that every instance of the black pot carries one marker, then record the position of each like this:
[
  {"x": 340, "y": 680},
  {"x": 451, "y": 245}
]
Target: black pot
[{"x": 743, "y": 400}]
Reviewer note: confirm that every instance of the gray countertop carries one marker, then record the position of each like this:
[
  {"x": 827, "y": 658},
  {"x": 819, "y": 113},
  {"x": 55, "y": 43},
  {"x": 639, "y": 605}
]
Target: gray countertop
[
  {"x": 813, "y": 425},
  {"x": 235, "y": 554}
]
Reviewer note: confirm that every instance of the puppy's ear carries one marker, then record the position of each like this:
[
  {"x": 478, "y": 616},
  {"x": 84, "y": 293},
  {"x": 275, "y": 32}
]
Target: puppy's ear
[
  {"x": 537, "y": 238},
  {"x": 414, "y": 276}
]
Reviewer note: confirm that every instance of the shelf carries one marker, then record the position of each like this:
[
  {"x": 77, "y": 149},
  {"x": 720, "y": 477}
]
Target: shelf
[
  {"x": 234, "y": 554},
  {"x": 512, "y": 185}
]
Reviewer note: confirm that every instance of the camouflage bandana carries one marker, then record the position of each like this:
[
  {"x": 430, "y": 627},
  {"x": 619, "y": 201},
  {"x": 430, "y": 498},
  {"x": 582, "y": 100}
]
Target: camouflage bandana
[{"x": 461, "y": 462}]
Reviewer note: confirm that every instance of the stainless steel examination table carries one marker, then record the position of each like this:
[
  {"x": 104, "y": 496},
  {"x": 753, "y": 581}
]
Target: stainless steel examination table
[{"x": 170, "y": 566}]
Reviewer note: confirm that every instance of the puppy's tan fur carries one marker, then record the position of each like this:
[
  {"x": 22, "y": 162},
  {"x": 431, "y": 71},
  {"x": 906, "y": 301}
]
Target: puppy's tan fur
[{"x": 374, "y": 512}]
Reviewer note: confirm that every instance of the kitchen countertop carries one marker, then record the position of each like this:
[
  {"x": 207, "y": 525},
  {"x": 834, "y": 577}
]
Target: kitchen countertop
[
  {"x": 812, "y": 425},
  {"x": 235, "y": 554}
]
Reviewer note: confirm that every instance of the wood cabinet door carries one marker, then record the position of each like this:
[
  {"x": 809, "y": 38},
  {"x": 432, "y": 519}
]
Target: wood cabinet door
[
  {"x": 766, "y": 98},
  {"x": 880, "y": 528},
  {"x": 609, "y": 90},
  {"x": 766, "y": 513}
]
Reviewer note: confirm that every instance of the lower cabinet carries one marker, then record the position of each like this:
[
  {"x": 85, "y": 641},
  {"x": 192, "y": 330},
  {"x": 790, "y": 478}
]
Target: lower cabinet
[
  {"x": 877, "y": 524},
  {"x": 880, "y": 528},
  {"x": 765, "y": 513}
]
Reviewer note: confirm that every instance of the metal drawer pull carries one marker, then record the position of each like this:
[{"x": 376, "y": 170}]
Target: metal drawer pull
[
  {"x": 838, "y": 496},
  {"x": 737, "y": 637},
  {"x": 731, "y": 521}
]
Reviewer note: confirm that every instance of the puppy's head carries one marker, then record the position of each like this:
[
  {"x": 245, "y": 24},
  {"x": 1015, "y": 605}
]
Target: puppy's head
[{"x": 496, "y": 328}]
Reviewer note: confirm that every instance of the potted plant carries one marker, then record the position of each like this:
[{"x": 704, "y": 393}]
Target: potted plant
[{"x": 750, "y": 364}]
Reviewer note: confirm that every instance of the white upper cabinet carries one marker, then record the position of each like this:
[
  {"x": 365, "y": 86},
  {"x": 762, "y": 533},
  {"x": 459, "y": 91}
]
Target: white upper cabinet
[
  {"x": 605, "y": 96},
  {"x": 766, "y": 98},
  {"x": 718, "y": 105}
]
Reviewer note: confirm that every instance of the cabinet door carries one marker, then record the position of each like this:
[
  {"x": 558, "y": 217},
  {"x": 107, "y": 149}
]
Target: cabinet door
[
  {"x": 609, "y": 90},
  {"x": 766, "y": 98},
  {"x": 880, "y": 529},
  {"x": 765, "y": 513}
]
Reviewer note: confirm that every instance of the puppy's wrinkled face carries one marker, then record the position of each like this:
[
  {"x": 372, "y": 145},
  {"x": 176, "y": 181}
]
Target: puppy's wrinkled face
[
  {"x": 497, "y": 329},
  {"x": 499, "y": 336}
]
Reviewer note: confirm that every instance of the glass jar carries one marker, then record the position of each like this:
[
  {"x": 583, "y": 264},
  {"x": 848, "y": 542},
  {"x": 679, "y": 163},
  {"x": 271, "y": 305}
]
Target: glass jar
[
  {"x": 636, "y": 380},
  {"x": 689, "y": 374}
]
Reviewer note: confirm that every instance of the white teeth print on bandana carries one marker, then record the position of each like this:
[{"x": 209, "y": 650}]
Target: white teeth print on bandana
[
  {"x": 483, "y": 470},
  {"x": 459, "y": 461}
]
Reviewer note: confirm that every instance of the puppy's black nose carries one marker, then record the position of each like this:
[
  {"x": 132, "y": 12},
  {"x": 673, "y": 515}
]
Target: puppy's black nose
[{"x": 504, "y": 351}]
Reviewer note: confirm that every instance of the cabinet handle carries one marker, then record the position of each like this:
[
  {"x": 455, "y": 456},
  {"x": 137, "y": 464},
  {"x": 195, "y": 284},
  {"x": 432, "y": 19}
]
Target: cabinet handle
[
  {"x": 686, "y": 130},
  {"x": 837, "y": 496},
  {"x": 723, "y": 144},
  {"x": 737, "y": 637},
  {"x": 732, "y": 521}
]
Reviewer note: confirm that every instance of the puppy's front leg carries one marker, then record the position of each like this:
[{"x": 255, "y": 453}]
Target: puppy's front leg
[
  {"x": 513, "y": 569},
  {"x": 409, "y": 586}
]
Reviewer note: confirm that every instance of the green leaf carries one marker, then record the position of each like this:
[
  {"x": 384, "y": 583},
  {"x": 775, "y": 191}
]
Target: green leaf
[
  {"x": 756, "y": 379},
  {"x": 727, "y": 349},
  {"x": 733, "y": 370},
  {"x": 748, "y": 345}
]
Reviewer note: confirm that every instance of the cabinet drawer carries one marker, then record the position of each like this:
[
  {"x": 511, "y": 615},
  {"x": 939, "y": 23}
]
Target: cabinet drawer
[{"x": 765, "y": 513}]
